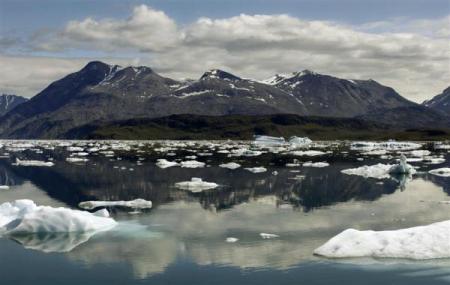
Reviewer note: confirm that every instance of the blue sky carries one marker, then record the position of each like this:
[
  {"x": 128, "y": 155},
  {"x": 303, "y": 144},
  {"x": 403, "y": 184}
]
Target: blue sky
[{"x": 407, "y": 39}]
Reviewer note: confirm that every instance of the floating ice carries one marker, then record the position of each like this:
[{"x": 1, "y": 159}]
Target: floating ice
[
  {"x": 307, "y": 153},
  {"x": 380, "y": 170},
  {"x": 297, "y": 142},
  {"x": 196, "y": 185},
  {"x": 76, "y": 159},
  {"x": 24, "y": 216},
  {"x": 423, "y": 242},
  {"x": 4, "y": 187},
  {"x": 268, "y": 236},
  {"x": 256, "y": 169},
  {"x": 192, "y": 164},
  {"x": 444, "y": 171},
  {"x": 230, "y": 165},
  {"x": 231, "y": 239},
  {"x": 137, "y": 204},
  {"x": 389, "y": 145},
  {"x": 33, "y": 163},
  {"x": 316, "y": 164},
  {"x": 268, "y": 141},
  {"x": 164, "y": 163}
]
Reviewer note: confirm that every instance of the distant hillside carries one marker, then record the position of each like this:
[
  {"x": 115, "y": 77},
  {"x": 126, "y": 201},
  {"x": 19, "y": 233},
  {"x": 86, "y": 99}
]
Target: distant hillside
[
  {"x": 244, "y": 127},
  {"x": 108, "y": 93},
  {"x": 440, "y": 102},
  {"x": 9, "y": 102}
]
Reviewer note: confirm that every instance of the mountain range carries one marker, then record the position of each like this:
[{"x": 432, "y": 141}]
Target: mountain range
[{"x": 101, "y": 93}]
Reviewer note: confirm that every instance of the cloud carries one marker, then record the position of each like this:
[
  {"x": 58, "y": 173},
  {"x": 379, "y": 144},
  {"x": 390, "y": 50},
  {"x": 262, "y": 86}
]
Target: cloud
[{"x": 413, "y": 57}]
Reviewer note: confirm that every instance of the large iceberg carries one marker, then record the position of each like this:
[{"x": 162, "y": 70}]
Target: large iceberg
[
  {"x": 268, "y": 141},
  {"x": 24, "y": 216},
  {"x": 423, "y": 242},
  {"x": 380, "y": 170},
  {"x": 298, "y": 142}
]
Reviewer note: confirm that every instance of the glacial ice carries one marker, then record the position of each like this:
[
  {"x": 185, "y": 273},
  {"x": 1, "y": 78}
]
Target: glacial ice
[
  {"x": 380, "y": 171},
  {"x": 230, "y": 165},
  {"x": 444, "y": 171},
  {"x": 423, "y": 242},
  {"x": 297, "y": 142},
  {"x": 268, "y": 236},
  {"x": 164, "y": 163},
  {"x": 136, "y": 204},
  {"x": 33, "y": 163},
  {"x": 192, "y": 164},
  {"x": 256, "y": 169},
  {"x": 24, "y": 216},
  {"x": 196, "y": 185},
  {"x": 316, "y": 164},
  {"x": 268, "y": 141}
]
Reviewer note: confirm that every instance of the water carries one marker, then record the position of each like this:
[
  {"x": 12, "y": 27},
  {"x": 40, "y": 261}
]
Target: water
[{"x": 181, "y": 240}]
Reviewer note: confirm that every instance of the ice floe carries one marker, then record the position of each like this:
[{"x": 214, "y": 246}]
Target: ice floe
[
  {"x": 164, "y": 163},
  {"x": 20, "y": 162},
  {"x": 268, "y": 141},
  {"x": 380, "y": 170},
  {"x": 423, "y": 242},
  {"x": 230, "y": 165},
  {"x": 444, "y": 171},
  {"x": 316, "y": 164},
  {"x": 136, "y": 204},
  {"x": 231, "y": 239},
  {"x": 196, "y": 185},
  {"x": 268, "y": 236},
  {"x": 24, "y": 216},
  {"x": 192, "y": 164},
  {"x": 307, "y": 153},
  {"x": 256, "y": 169}
]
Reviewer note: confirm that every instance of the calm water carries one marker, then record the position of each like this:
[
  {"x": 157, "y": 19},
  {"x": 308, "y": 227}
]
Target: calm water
[{"x": 181, "y": 240}]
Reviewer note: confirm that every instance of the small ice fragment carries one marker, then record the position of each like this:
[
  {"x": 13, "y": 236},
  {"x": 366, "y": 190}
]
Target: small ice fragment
[
  {"x": 231, "y": 239},
  {"x": 230, "y": 165},
  {"x": 196, "y": 185},
  {"x": 137, "y": 204},
  {"x": 268, "y": 236},
  {"x": 256, "y": 169}
]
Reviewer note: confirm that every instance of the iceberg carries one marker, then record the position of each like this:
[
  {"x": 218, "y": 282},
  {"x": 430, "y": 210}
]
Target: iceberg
[
  {"x": 136, "y": 204},
  {"x": 268, "y": 141},
  {"x": 24, "y": 216},
  {"x": 231, "y": 239},
  {"x": 164, "y": 163},
  {"x": 444, "y": 171},
  {"x": 298, "y": 142},
  {"x": 192, "y": 164},
  {"x": 33, "y": 163},
  {"x": 196, "y": 185},
  {"x": 307, "y": 153},
  {"x": 256, "y": 169},
  {"x": 380, "y": 171},
  {"x": 230, "y": 165},
  {"x": 423, "y": 242}
]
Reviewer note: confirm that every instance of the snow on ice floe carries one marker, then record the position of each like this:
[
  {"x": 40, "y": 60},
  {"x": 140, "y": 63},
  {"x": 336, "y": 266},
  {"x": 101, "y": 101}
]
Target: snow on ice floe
[
  {"x": 164, "y": 163},
  {"x": 136, "y": 204},
  {"x": 444, "y": 171},
  {"x": 196, "y": 185},
  {"x": 192, "y": 164},
  {"x": 24, "y": 216},
  {"x": 380, "y": 170},
  {"x": 230, "y": 165},
  {"x": 256, "y": 169},
  {"x": 422, "y": 242},
  {"x": 76, "y": 159},
  {"x": 316, "y": 164},
  {"x": 268, "y": 236},
  {"x": 33, "y": 163}
]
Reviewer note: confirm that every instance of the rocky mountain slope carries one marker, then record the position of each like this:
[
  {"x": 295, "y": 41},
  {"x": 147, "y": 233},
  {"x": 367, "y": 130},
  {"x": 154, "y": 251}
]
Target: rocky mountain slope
[
  {"x": 104, "y": 93},
  {"x": 8, "y": 102},
  {"x": 440, "y": 102}
]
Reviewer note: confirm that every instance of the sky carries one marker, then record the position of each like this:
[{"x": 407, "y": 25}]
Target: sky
[{"x": 404, "y": 44}]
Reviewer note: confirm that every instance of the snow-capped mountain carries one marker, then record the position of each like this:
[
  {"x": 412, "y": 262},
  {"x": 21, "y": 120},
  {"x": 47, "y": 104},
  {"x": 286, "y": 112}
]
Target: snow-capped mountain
[
  {"x": 102, "y": 93},
  {"x": 8, "y": 102},
  {"x": 440, "y": 102}
]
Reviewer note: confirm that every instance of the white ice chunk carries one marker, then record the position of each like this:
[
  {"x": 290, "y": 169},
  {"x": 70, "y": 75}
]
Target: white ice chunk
[
  {"x": 316, "y": 164},
  {"x": 268, "y": 141},
  {"x": 137, "y": 204},
  {"x": 230, "y": 165},
  {"x": 192, "y": 164},
  {"x": 380, "y": 170},
  {"x": 76, "y": 159},
  {"x": 196, "y": 185},
  {"x": 256, "y": 169},
  {"x": 24, "y": 216},
  {"x": 297, "y": 142},
  {"x": 444, "y": 171},
  {"x": 307, "y": 153},
  {"x": 231, "y": 239},
  {"x": 164, "y": 163},
  {"x": 268, "y": 236},
  {"x": 423, "y": 242},
  {"x": 33, "y": 163}
]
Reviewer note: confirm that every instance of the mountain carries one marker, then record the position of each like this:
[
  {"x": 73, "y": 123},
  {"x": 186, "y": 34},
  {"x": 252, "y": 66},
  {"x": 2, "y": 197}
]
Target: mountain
[
  {"x": 8, "y": 102},
  {"x": 100, "y": 93},
  {"x": 335, "y": 97},
  {"x": 440, "y": 102}
]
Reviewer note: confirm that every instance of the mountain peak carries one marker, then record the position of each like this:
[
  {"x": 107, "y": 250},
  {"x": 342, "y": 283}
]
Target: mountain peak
[
  {"x": 218, "y": 74},
  {"x": 96, "y": 65}
]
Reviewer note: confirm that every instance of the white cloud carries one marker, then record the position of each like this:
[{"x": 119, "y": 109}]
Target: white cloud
[{"x": 414, "y": 58}]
